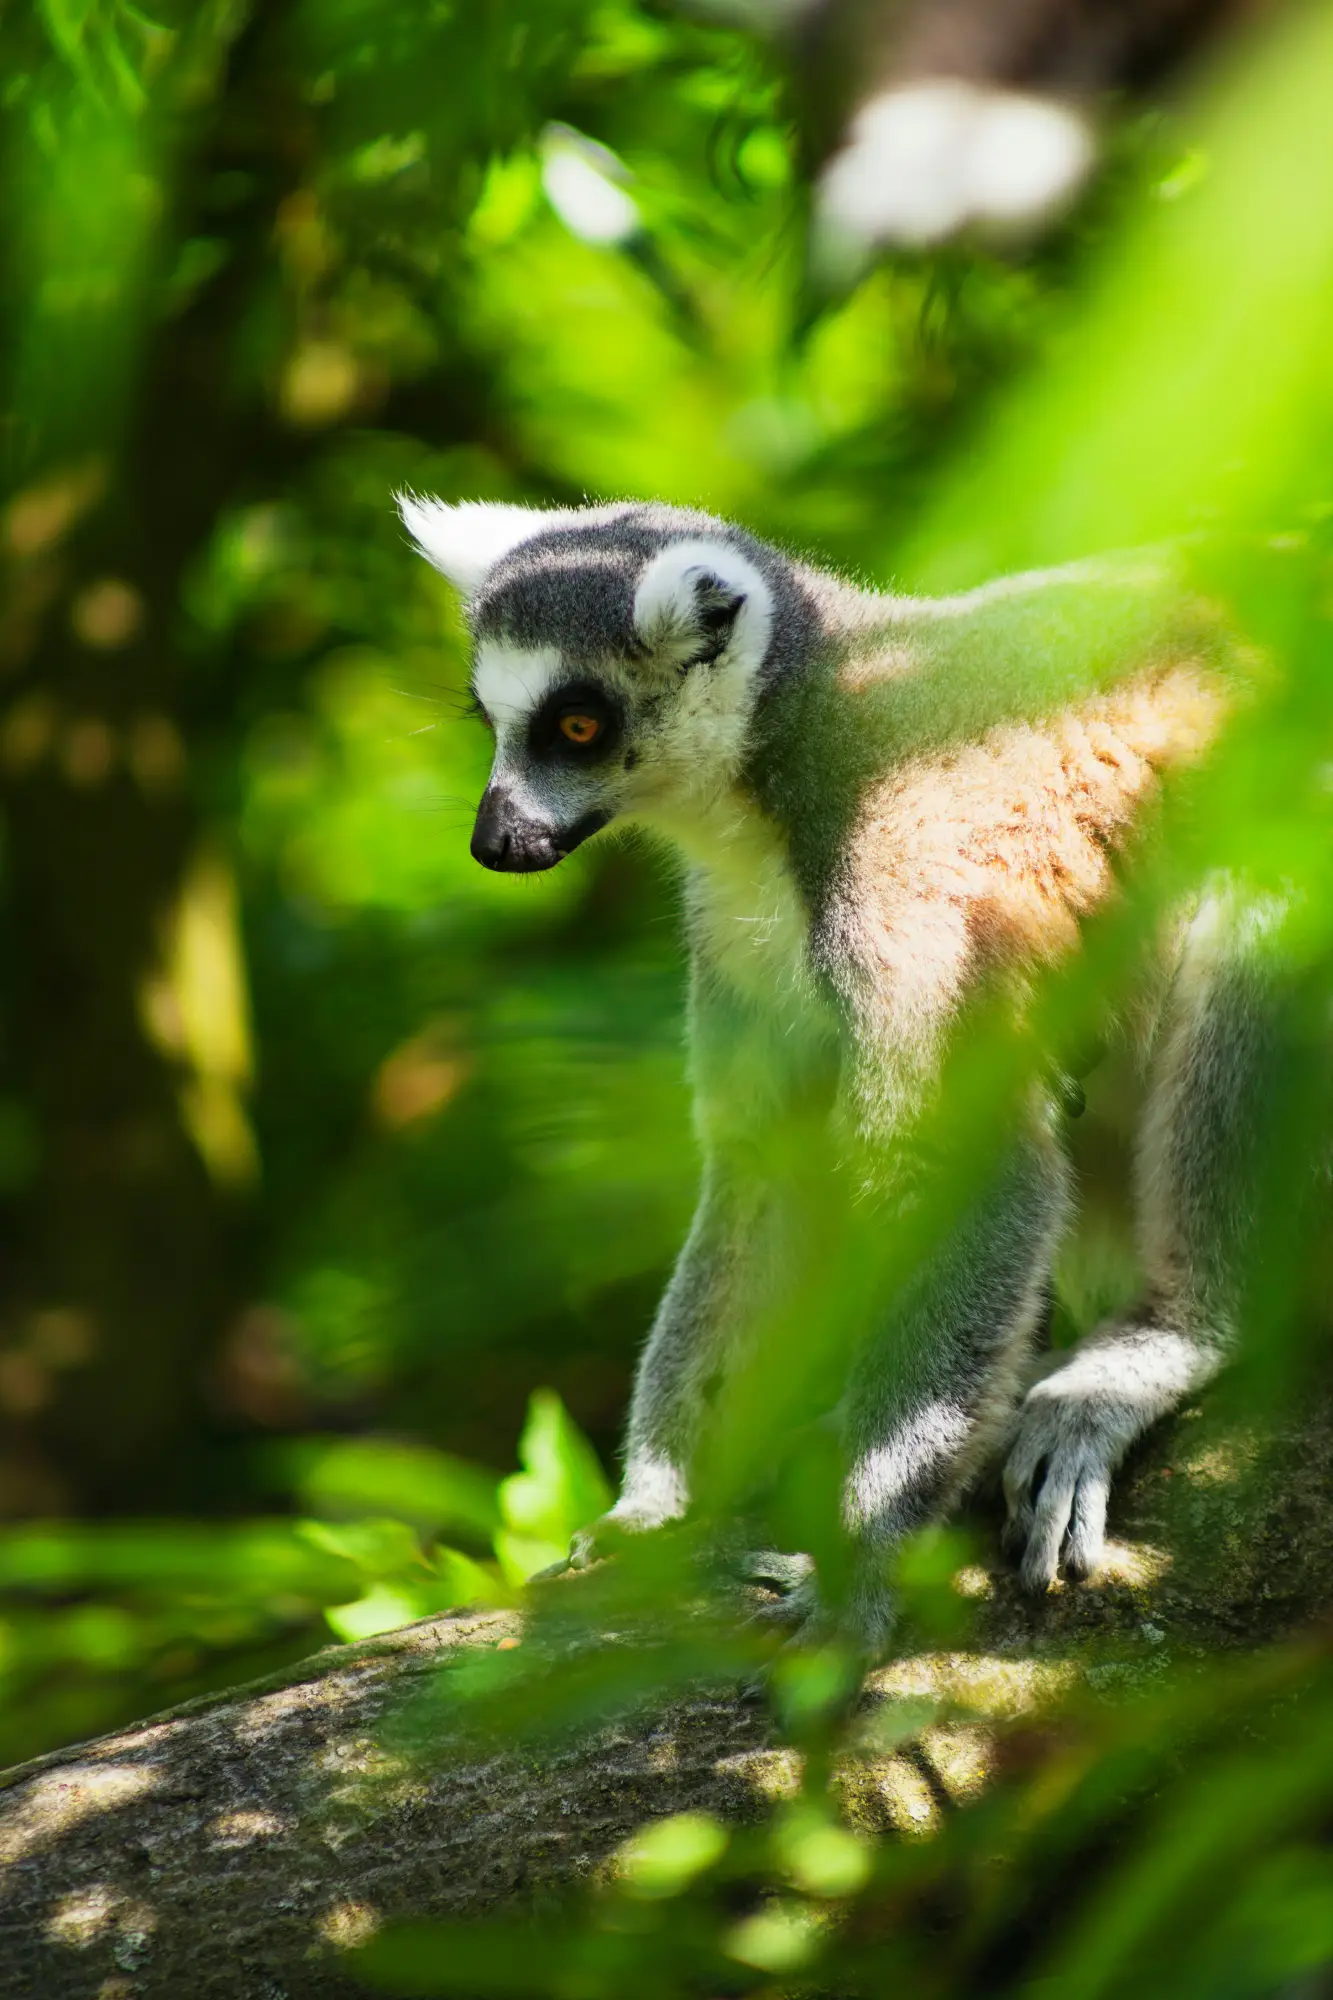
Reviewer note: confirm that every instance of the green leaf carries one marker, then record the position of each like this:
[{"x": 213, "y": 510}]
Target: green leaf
[
  {"x": 382, "y": 1548},
  {"x": 391, "y": 1602},
  {"x": 664, "y": 1858},
  {"x": 382, "y": 1609},
  {"x": 560, "y": 1489},
  {"x": 778, "y": 1938},
  {"x": 380, "y": 1476},
  {"x": 248, "y": 1561},
  {"x": 522, "y": 1556},
  {"x": 822, "y": 1857}
]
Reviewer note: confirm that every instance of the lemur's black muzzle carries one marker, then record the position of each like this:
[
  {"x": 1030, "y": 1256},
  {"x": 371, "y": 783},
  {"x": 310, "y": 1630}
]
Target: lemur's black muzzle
[{"x": 507, "y": 839}]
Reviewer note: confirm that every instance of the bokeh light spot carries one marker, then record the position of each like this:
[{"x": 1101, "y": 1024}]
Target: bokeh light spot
[
  {"x": 320, "y": 384},
  {"x": 27, "y": 732},
  {"x": 88, "y": 752},
  {"x": 155, "y": 752},
  {"x": 108, "y": 614},
  {"x": 40, "y": 516}
]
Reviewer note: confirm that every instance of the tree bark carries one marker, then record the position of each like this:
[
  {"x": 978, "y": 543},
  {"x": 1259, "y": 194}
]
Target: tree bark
[{"x": 234, "y": 1848}]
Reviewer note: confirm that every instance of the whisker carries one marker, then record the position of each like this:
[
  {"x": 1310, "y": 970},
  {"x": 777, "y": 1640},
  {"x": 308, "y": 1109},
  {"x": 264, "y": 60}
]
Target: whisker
[{"x": 460, "y": 701}]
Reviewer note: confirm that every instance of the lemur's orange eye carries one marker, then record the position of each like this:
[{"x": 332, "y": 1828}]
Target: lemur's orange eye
[{"x": 580, "y": 728}]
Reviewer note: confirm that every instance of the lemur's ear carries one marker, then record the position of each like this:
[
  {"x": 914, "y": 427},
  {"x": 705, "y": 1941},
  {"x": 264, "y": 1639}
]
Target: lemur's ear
[
  {"x": 699, "y": 600},
  {"x": 466, "y": 541}
]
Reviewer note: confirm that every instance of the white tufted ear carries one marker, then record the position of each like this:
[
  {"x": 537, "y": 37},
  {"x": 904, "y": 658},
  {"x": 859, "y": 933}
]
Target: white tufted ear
[
  {"x": 702, "y": 600},
  {"x": 466, "y": 541}
]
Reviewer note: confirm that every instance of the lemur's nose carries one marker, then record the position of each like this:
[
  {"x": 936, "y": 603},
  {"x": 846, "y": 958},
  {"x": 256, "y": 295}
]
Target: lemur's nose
[
  {"x": 505, "y": 839},
  {"x": 491, "y": 853},
  {"x": 489, "y": 847}
]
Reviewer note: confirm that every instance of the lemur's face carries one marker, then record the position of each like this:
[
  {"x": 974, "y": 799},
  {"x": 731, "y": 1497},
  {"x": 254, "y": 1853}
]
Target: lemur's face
[{"x": 614, "y": 663}]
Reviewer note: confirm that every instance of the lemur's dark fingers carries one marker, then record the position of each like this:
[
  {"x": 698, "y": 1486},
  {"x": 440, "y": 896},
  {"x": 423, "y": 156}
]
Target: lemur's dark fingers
[
  {"x": 1018, "y": 1524},
  {"x": 1020, "y": 1475},
  {"x": 1050, "y": 1524},
  {"x": 1087, "y": 1528}
]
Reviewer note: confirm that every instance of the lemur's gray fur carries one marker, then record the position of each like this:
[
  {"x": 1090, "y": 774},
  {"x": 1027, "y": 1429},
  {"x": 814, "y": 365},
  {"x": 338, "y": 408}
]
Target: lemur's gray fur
[{"x": 883, "y": 804}]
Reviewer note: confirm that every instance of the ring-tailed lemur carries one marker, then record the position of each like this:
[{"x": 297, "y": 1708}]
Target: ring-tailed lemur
[{"x": 883, "y": 804}]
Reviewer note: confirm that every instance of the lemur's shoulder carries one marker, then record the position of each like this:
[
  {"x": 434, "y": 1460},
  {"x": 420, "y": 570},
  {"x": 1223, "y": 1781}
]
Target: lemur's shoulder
[{"x": 977, "y": 855}]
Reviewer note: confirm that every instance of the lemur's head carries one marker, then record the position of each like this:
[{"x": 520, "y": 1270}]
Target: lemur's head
[{"x": 619, "y": 652}]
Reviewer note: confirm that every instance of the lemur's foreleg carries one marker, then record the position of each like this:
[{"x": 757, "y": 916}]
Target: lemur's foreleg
[
  {"x": 725, "y": 1280},
  {"x": 684, "y": 1353},
  {"x": 760, "y": 1097}
]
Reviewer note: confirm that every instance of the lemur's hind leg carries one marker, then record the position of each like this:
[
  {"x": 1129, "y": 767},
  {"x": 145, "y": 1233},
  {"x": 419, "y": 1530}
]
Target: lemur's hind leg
[{"x": 1199, "y": 1153}]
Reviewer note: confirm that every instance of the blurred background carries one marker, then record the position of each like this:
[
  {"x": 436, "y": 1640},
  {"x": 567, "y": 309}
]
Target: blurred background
[{"x": 338, "y": 1178}]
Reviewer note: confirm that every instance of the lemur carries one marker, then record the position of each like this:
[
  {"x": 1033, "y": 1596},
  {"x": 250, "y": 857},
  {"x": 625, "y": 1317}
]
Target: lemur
[{"x": 884, "y": 804}]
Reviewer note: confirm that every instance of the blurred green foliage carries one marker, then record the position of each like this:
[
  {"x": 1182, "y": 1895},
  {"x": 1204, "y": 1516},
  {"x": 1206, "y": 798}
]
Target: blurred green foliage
[
  {"x": 93, "y": 1606},
  {"x": 261, "y": 267}
]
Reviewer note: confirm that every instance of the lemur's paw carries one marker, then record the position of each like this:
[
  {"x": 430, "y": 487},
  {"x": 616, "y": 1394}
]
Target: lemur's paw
[
  {"x": 798, "y": 1611},
  {"x": 861, "y": 1627},
  {"x": 1058, "y": 1479},
  {"x": 606, "y": 1536},
  {"x": 595, "y": 1542},
  {"x": 771, "y": 1569}
]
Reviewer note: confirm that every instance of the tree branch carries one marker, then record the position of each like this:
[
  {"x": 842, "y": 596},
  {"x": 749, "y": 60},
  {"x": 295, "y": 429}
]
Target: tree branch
[{"x": 232, "y": 1848}]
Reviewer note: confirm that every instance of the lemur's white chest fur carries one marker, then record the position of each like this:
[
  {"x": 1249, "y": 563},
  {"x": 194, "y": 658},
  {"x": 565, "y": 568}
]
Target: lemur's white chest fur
[
  {"x": 746, "y": 912},
  {"x": 750, "y": 932}
]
